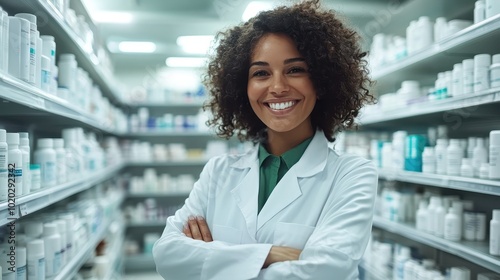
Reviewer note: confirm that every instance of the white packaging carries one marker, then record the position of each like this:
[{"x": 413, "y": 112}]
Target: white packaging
[
  {"x": 52, "y": 241},
  {"x": 425, "y": 33},
  {"x": 468, "y": 76},
  {"x": 484, "y": 171},
  {"x": 61, "y": 160},
  {"x": 38, "y": 63},
  {"x": 15, "y": 167},
  {"x": 480, "y": 234},
  {"x": 457, "y": 83},
  {"x": 4, "y": 154},
  {"x": 61, "y": 229},
  {"x": 441, "y": 156},
  {"x": 25, "y": 50},
  {"x": 25, "y": 149},
  {"x": 452, "y": 229},
  {"x": 45, "y": 156},
  {"x": 67, "y": 72},
  {"x": 492, "y": 8},
  {"x": 495, "y": 233},
  {"x": 469, "y": 226},
  {"x": 440, "y": 28},
  {"x": 32, "y": 45},
  {"x": 454, "y": 155},
  {"x": 399, "y": 262},
  {"x": 471, "y": 144},
  {"x": 46, "y": 77},
  {"x": 14, "y": 56},
  {"x": 54, "y": 84},
  {"x": 5, "y": 262},
  {"x": 438, "y": 218},
  {"x": 495, "y": 71},
  {"x": 428, "y": 160},
  {"x": 482, "y": 64},
  {"x": 410, "y": 37},
  {"x": 458, "y": 207},
  {"x": 35, "y": 251},
  {"x": 36, "y": 177},
  {"x": 5, "y": 41},
  {"x": 70, "y": 221},
  {"x": 21, "y": 263},
  {"x": 2, "y": 54},
  {"x": 398, "y": 149},
  {"x": 479, "y": 156},
  {"x": 494, "y": 154},
  {"x": 49, "y": 48},
  {"x": 479, "y": 11},
  {"x": 431, "y": 220},
  {"x": 466, "y": 169}
]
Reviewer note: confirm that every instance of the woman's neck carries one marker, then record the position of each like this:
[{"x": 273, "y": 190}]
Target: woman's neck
[{"x": 280, "y": 142}]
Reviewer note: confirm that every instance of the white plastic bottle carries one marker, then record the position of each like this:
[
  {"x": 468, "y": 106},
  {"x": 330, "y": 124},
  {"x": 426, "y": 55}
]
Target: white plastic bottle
[
  {"x": 32, "y": 45},
  {"x": 15, "y": 163},
  {"x": 25, "y": 50},
  {"x": 67, "y": 72},
  {"x": 24, "y": 146},
  {"x": 36, "y": 177},
  {"x": 61, "y": 160},
  {"x": 49, "y": 48},
  {"x": 399, "y": 263},
  {"x": 45, "y": 75},
  {"x": 36, "y": 259},
  {"x": 457, "y": 84},
  {"x": 440, "y": 28},
  {"x": 61, "y": 229},
  {"x": 14, "y": 54},
  {"x": 468, "y": 75},
  {"x": 494, "y": 154},
  {"x": 466, "y": 169},
  {"x": 441, "y": 159},
  {"x": 46, "y": 157},
  {"x": 70, "y": 221},
  {"x": 454, "y": 155},
  {"x": 482, "y": 64},
  {"x": 38, "y": 63},
  {"x": 479, "y": 156},
  {"x": 495, "y": 233},
  {"x": 425, "y": 29},
  {"x": 439, "y": 216},
  {"x": 52, "y": 241},
  {"x": 479, "y": 11},
  {"x": 4, "y": 154},
  {"x": 429, "y": 160},
  {"x": 452, "y": 229},
  {"x": 5, "y": 41},
  {"x": 21, "y": 263},
  {"x": 431, "y": 211},
  {"x": 492, "y": 8}
]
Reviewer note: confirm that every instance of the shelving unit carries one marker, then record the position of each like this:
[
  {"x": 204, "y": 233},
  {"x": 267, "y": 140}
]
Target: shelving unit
[
  {"x": 169, "y": 133},
  {"x": 116, "y": 251},
  {"x": 168, "y": 104},
  {"x": 188, "y": 162},
  {"x": 158, "y": 195},
  {"x": 475, "y": 252}
]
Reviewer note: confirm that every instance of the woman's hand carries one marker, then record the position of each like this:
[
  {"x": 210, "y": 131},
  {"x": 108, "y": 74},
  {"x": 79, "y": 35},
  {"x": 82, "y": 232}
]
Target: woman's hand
[
  {"x": 281, "y": 254},
  {"x": 197, "y": 228}
]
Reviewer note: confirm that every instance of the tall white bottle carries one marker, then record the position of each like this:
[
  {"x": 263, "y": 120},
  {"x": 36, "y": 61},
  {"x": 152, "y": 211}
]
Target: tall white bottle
[
  {"x": 454, "y": 155},
  {"x": 61, "y": 160},
  {"x": 439, "y": 217},
  {"x": 495, "y": 154},
  {"x": 15, "y": 167},
  {"x": 4, "y": 159},
  {"x": 479, "y": 156},
  {"x": 495, "y": 233},
  {"x": 440, "y": 151},
  {"x": 24, "y": 146},
  {"x": 46, "y": 157},
  {"x": 452, "y": 226},
  {"x": 32, "y": 42}
]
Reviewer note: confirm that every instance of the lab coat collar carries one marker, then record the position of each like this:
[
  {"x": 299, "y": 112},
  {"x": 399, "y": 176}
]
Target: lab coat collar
[{"x": 245, "y": 194}]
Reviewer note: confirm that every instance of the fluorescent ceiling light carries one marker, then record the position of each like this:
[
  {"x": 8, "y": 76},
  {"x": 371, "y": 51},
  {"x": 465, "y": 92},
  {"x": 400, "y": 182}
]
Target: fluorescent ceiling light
[
  {"x": 255, "y": 7},
  {"x": 136, "y": 47},
  {"x": 193, "y": 62},
  {"x": 112, "y": 17},
  {"x": 195, "y": 44}
]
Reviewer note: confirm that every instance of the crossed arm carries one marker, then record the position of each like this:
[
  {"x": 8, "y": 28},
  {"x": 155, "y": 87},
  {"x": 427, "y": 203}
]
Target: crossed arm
[{"x": 197, "y": 228}]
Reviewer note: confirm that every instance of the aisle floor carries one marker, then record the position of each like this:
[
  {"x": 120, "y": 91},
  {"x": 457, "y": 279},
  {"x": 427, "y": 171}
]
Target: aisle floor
[{"x": 142, "y": 276}]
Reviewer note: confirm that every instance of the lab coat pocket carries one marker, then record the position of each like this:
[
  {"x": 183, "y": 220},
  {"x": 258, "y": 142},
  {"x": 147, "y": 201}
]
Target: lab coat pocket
[
  {"x": 292, "y": 235},
  {"x": 226, "y": 234}
]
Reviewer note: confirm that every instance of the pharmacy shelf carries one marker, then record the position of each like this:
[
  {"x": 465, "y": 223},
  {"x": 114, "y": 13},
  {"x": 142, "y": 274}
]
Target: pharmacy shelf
[
  {"x": 478, "y": 38},
  {"x": 158, "y": 195},
  {"x": 168, "y": 104},
  {"x": 52, "y": 22},
  {"x": 472, "y": 251},
  {"x": 370, "y": 273},
  {"x": 433, "y": 109},
  {"x": 172, "y": 133},
  {"x": 139, "y": 262},
  {"x": 36, "y": 102},
  {"x": 146, "y": 224},
  {"x": 27, "y": 204},
  {"x": 116, "y": 251},
  {"x": 187, "y": 162},
  {"x": 490, "y": 187}
]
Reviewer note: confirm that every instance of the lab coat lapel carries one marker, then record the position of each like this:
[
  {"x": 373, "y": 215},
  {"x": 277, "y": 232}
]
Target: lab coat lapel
[
  {"x": 288, "y": 189},
  {"x": 246, "y": 192}
]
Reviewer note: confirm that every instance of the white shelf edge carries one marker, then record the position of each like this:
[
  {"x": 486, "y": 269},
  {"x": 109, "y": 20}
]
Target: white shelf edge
[
  {"x": 157, "y": 195},
  {"x": 436, "y": 106},
  {"x": 90, "y": 57},
  {"x": 166, "y": 104},
  {"x": 480, "y": 258},
  {"x": 32, "y": 202},
  {"x": 172, "y": 133},
  {"x": 490, "y": 187},
  {"x": 22, "y": 93},
  {"x": 470, "y": 33},
  {"x": 168, "y": 163}
]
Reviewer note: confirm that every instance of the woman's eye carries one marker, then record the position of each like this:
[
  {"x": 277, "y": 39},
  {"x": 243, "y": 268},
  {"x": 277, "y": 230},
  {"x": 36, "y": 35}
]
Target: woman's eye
[
  {"x": 260, "y": 73},
  {"x": 296, "y": 70}
]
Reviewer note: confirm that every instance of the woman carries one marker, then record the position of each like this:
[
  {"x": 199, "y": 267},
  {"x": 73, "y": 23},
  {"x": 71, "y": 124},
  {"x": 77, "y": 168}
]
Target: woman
[{"x": 291, "y": 208}]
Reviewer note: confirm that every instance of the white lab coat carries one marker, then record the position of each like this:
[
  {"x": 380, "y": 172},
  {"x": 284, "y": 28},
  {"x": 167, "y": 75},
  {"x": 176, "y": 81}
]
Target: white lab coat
[{"x": 323, "y": 205}]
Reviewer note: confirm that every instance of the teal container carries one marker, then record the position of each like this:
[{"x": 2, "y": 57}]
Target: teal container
[{"x": 415, "y": 144}]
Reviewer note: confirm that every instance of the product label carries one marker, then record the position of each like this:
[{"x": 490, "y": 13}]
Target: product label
[
  {"x": 495, "y": 156},
  {"x": 57, "y": 262},
  {"x": 3, "y": 158},
  {"x": 48, "y": 173},
  {"x": 21, "y": 272},
  {"x": 45, "y": 77}
]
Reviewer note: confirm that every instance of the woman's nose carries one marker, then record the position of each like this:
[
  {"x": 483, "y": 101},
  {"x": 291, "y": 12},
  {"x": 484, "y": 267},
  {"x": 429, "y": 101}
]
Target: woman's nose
[{"x": 279, "y": 84}]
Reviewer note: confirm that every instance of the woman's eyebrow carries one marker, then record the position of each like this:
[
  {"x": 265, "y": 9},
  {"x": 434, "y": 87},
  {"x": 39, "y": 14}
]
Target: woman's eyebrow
[{"x": 287, "y": 61}]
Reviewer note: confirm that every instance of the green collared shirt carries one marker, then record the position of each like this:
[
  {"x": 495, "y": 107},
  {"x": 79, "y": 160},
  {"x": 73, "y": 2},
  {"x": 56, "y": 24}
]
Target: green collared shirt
[{"x": 273, "y": 168}]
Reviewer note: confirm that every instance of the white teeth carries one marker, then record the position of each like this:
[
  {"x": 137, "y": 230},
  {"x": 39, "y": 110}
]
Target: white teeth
[{"x": 281, "y": 106}]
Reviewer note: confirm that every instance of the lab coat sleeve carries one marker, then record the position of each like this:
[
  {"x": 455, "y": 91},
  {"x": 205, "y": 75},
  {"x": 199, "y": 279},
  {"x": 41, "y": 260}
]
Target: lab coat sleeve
[
  {"x": 334, "y": 249},
  {"x": 180, "y": 257}
]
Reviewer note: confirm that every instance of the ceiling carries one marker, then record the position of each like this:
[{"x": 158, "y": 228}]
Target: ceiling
[{"x": 162, "y": 21}]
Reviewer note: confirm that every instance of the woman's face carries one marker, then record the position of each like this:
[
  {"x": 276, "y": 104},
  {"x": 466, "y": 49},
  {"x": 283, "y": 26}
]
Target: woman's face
[{"x": 279, "y": 88}]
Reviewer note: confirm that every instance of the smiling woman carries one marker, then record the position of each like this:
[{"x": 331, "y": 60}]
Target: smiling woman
[{"x": 288, "y": 79}]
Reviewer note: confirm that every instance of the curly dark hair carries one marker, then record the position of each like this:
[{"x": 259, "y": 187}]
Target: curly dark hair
[{"x": 337, "y": 68}]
